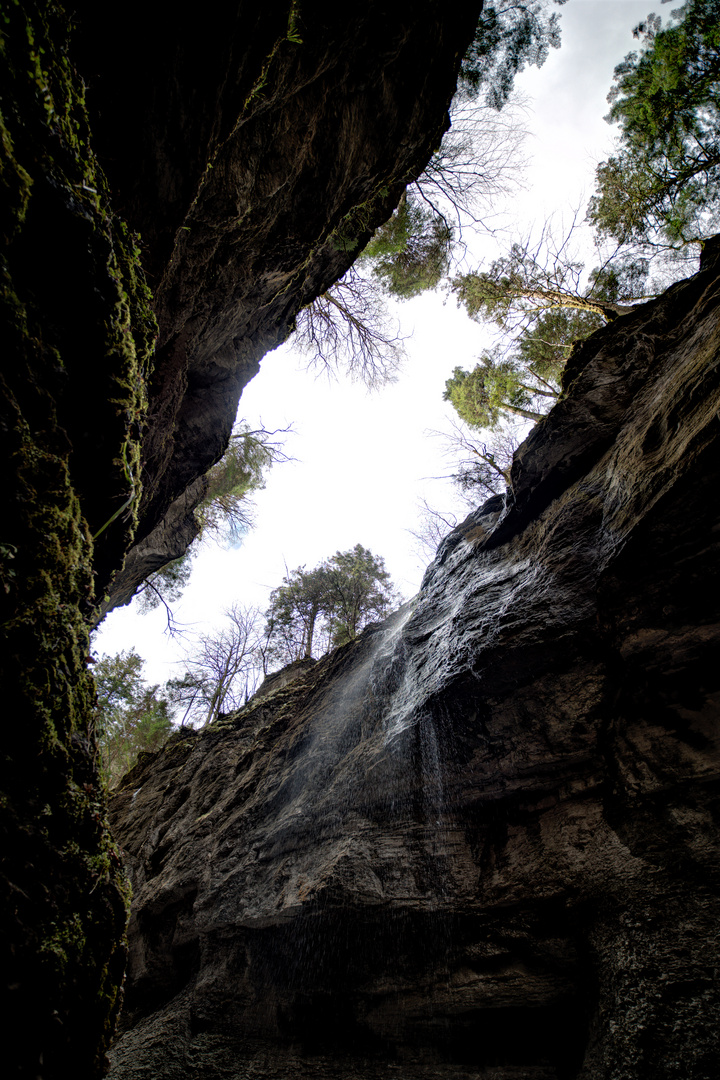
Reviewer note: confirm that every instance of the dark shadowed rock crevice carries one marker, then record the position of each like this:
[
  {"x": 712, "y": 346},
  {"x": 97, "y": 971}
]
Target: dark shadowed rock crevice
[
  {"x": 76, "y": 335},
  {"x": 481, "y": 840}
]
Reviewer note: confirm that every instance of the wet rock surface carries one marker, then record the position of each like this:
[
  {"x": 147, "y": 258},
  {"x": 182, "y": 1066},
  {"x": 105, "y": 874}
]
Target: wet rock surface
[{"x": 481, "y": 840}]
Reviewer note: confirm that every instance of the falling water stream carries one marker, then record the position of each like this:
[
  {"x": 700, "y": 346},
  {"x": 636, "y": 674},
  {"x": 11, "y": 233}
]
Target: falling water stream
[{"x": 338, "y": 864}]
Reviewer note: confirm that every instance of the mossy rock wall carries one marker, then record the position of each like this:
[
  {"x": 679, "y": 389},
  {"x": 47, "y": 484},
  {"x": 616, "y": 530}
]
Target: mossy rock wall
[
  {"x": 255, "y": 150},
  {"x": 76, "y": 333}
]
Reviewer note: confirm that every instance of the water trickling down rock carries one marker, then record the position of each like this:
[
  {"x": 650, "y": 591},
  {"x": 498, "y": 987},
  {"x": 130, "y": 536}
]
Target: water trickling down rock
[{"x": 481, "y": 840}]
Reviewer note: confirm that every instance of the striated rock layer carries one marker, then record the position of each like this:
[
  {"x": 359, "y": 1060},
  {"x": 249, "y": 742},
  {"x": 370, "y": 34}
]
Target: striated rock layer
[{"x": 481, "y": 840}]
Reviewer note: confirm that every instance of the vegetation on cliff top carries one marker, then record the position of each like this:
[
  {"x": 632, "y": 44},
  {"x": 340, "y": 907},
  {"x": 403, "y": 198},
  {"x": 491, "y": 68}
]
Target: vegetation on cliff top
[
  {"x": 660, "y": 189},
  {"x": 312, "y": 612},
  {"x": 319, "y": 609},
  {"x": 414, "y": 250},
  {"x": 130, "y": 717},
  {"x": 656, "y": 200}
]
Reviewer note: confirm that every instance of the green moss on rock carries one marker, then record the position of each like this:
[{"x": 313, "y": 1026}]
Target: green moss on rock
[{"x": 76, "y": 335}]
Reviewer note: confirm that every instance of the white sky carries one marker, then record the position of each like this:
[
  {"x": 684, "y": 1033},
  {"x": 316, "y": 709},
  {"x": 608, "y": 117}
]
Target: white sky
[{"x": 363, "y": 460}]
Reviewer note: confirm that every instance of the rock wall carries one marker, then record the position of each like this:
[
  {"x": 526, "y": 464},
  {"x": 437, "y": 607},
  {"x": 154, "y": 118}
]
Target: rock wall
[
  {"x": 76, "y": 334},
  {"x": 481, "y": 840},
  {"x": 255, "y": 175},
  {"x": 255, "y": 146}
]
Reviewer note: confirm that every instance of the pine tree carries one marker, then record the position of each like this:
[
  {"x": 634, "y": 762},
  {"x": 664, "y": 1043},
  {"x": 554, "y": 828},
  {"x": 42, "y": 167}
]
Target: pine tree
[
  {"x": 316, "y": 610},
  {"x": 661, "y": 187},
  {"x": 130, "y": 717}
]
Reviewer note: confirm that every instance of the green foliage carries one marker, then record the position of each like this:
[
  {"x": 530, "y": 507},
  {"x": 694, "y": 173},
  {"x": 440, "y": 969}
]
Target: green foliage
[
  {"x": 621, "y": 280},
  {"x": 315, "y": 610},
  {"x": 238, "y": 473},
  {"x": 359, "y": 590},
  {"x": 225, "y": 510},
  {"x": 166, "y": 585},
  {"x": 130, "y": 717},
  {"x": 483, "y": 470},
  {"x": 494, "y": 387},
  {"x": 544, "y": 347},
  {"x": 509, "y": 35},
  {"x": 522, "y": 285},
  {"x": 410, "y": 253},
  {"x": 293, "y": 31},
  {"x": 536, "y": 297},
  {"x": 544, "y": 319},
  {"x": 662, "y": 185},
  {"x": 493, "y": 294},
  {"x": 347, "y": 326},
  {"x": 293, "y": 614}
]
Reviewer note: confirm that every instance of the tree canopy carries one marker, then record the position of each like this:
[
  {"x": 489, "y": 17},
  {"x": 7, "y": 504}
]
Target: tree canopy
[
  {"x": 662, "y": 184},
  {"x": 130, "y": 716},
  {"x": 349, "y": 327},
  {"x": 316, "y": 610},
  {"x": 224, "y": 511},
  {"x": 540, "y": 299},
  {"x": 496, "y": 386},
  {"x": 239, "y": 473},
  {"x": 412, "y": 252},
  {"x": 508, "y": 36},
  {"x": 537, "y": 277},
  {"x": 655, "y": 198}
]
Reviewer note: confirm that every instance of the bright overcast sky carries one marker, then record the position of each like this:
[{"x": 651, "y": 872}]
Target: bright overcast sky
[{"x": 364, "y": 461}]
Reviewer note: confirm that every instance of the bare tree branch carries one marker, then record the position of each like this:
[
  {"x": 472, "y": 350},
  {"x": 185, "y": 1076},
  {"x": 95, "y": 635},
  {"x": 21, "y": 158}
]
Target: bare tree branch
[
  {"x": 224, "y": 668},
  {"x": 349, "y": 328}
]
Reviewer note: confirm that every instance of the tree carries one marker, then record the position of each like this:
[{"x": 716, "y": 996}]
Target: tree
[
  {"x": 432, "y": 527},
  {"x": 544, "y": 275},
  {"x": 481, "y": 468},
  {"x": 544, "y": 346},
  {"x": 225, "y": 511},
  {"x": 225, "y": 507},
  {"x": 508, "y": 36},
  {"x": 478, "y": 160},
  {"x": 410, "y": 253},
  {"x": 662, "y": 185},
  {"x": 315, "y": 610},
  {"x": 349, "y": 327},
  {"x": 167, "y": 585},
  {"x": 130, "y": 716},
  {"x": 222, "y": 672},
  {"x": 541, "y": 301},
  {"x": 295, "y": 609},
  {"x": 496, "y": 386},
  {"x": 359, "y": 591}
]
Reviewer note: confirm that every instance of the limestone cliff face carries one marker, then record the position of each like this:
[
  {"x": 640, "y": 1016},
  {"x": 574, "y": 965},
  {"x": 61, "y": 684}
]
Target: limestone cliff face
[
  {"x": 481, "y": 840},
  {"x": 254, "y": 146}
]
